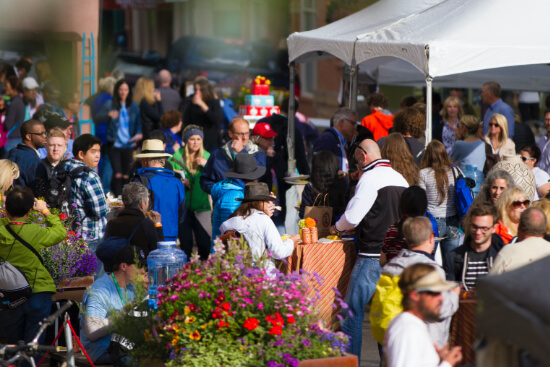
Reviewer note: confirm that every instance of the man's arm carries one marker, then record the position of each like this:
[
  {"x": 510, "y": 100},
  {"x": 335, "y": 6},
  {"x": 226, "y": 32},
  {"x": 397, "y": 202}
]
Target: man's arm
[
  {"x": 95, "y": 201},
  {"x": 207, "y": 179},
  {"x": 358, "y": 206}
]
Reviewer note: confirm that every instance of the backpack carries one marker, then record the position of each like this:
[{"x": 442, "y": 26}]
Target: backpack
[
  {"x": 58, "y": 192},
  {"x": 463, "y": 189},
  {"x": 15, "y": 289},
  {"x": 386, "y": 304}
]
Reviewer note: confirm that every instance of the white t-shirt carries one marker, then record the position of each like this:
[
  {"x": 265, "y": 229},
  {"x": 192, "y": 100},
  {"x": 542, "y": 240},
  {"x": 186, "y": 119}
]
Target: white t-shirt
[
  {"x": 408, "y": 343},
  {"x": 541, "y": 178}
]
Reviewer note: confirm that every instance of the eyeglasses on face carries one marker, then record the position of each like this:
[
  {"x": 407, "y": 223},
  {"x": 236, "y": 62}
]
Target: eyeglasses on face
[
  {"x": 242, "y": 134},
  {"x": 351, "y": 121},
  {"x": 475, "y": 228},
  {"x": 525, "y": 159},
  {"x": 517, "y": 203},
  {"x": 493, "y": 124},
  {"x": 44, "y": 134}
]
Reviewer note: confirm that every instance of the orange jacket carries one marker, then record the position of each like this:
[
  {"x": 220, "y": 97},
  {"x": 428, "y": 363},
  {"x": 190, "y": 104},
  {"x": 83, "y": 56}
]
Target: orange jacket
[
  {"x": 378, "y": 123},
  {"x": 501, "y": 230}
]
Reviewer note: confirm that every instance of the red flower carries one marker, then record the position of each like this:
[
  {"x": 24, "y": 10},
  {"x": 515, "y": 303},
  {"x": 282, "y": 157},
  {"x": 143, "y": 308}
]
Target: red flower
[
  {"x": 72, "y": 233},
  {"x": 275, "y": 319},
  {"x": 222, "y": 323},
  {"x": 62, "y": 216},
  {"x": 276, "y": 330},
  {"x": 290, "y": 319},
  {"x": 215, "y": 315},
  {"x": 251, "y": 323},
  {"x": 192, "y": 307},
  {"x": 226, "y": 306}
]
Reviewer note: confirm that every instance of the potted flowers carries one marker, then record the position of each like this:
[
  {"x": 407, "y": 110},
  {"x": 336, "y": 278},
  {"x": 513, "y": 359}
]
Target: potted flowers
[{"x": 227, "y": 312}]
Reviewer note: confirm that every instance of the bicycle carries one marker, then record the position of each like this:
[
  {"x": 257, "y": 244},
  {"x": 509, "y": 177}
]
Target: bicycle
[{"x": 16, "y": 354}]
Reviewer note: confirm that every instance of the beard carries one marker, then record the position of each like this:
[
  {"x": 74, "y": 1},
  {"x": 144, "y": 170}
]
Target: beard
[{"x": 428, "y": 314}]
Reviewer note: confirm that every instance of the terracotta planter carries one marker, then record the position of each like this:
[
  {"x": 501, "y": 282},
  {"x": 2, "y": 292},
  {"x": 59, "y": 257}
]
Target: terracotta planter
[
  {"x": 348, "y": 360},
  {"x": 73, "y": 289}
]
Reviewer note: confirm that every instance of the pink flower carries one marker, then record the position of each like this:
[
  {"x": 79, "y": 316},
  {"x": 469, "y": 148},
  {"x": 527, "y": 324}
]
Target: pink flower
[
  {"x": 260, "y": 306},
  {"x": 174, "y": 297}
]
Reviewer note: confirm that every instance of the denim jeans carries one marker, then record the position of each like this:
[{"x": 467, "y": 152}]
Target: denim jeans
[
  {"x": 362, "y": 285},
  {"x": 448, "y": 227},
  {"x": 22, "y": 323}
]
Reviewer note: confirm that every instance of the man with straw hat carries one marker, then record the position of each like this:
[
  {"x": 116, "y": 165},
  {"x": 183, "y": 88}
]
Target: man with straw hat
[{"x": 166, "y": 191}]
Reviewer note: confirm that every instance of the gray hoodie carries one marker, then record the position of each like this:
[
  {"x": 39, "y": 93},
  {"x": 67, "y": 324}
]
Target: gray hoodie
[{"x": 439, "y": 331}]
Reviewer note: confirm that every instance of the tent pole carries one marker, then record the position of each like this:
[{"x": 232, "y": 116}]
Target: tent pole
[
  {"x": 353, "y": 78},
  {"x": 291, "y": 123},
  {"x": 428, "y": 109}
]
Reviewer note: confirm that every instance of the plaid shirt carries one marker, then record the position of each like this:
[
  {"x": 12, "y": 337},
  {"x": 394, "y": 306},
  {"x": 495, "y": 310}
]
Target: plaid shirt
[{"x": 90, "y": 205}]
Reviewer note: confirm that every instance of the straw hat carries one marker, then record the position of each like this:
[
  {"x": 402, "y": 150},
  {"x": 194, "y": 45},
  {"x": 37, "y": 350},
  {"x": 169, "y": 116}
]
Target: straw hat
[{"x": 152, "y": 148}]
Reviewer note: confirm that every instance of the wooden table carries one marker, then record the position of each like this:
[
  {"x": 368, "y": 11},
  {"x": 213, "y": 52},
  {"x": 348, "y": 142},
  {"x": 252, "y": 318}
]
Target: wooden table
[
  {"x": 464, "y": 329},
  {"x": 332, "y": 261}
]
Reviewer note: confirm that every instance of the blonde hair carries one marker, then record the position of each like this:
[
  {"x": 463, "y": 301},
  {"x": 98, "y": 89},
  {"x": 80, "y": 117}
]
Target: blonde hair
[
  {"x": 8, "y": 171},
  {"x": 446, "y": 104},
  {"x": 107, "y": 84},
  {"x": 144, "y": 90},
  {"x": 189, "y": 158},
  {"x": 503, "y": 123},
  {"x": 503, "y": 204},
  {"x": 56, "y": 133},
  {"x": 473, "y": 125},
  {"x": 544, "y": 205}
]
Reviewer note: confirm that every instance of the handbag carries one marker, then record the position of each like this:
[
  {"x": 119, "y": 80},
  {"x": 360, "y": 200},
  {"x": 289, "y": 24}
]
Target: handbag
[
  {"x": 15, "y": 289},
  {"x": 322, "y": 214}
]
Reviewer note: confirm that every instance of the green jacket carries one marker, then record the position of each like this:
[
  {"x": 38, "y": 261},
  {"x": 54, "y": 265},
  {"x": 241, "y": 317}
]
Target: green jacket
[
  {"x": 197, "y": 199},
  {"x": 20, "y": 256}
]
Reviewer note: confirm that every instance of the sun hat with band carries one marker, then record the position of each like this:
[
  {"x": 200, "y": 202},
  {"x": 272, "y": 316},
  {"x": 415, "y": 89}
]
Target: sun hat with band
[
  {"x": 245, "y": 167},
  {"x": 256, "y": 191},
  {"x": 152, "y": 148},
  {"x": 191, "y": 130},
  {"x": 432, "y": 282}
]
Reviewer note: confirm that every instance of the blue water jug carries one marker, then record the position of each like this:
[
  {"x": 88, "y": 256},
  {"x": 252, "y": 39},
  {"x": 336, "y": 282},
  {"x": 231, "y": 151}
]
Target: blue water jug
[
  {"x": 476, "y": 175},
  {"x": 163, "y": 263}
]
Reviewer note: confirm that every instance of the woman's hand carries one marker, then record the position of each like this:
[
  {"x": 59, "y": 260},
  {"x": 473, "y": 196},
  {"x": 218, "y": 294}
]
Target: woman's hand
[
  {"x": 295, "y": 238},
  {"x": 201, "y": 161},
  {"x": 187, "y": 183},
  {"x": 197, "y": 99},
  {"x": 176, "y": 146},
  {"x": 113, "y": 114},
  {"x": 136, "y": 137},
  {"x": 40, "y": 205},
  {"x": 156, "y": 95}
]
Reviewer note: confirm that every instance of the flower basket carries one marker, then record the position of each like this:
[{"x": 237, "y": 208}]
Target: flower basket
[{"x": 73, "y": 289}]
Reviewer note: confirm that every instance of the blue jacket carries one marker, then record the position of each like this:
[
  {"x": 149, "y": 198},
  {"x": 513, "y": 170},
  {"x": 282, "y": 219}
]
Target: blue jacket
[
  {"x": 224, "y": 194},
  {"x": 221, "y": 161},
  {"x": 166, "y": 196},
  {"x": 112, "y": 124},
  {"x": 28, "y": 161}
]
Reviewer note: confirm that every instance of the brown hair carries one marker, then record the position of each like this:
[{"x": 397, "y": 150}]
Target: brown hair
[
  {"x": 169, "y": 119},
  {"x": 409, "y": 121},
  {"x": 206, "y": 89},
  {"x": 436, "y": 158},
  {"x": 494, "y": 88},
  {"x": 473, "y": 125},
  {"x": 377, "y": 100},
  {"x": 245, "y": 209},
  {"x": 397, "y": 151},
  {"x": 417, "y": 230}
]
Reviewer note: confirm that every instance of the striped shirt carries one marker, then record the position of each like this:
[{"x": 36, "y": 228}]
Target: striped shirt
[
  {"x": 428, "y": 183},
  {"x": 477, "y": 267}
]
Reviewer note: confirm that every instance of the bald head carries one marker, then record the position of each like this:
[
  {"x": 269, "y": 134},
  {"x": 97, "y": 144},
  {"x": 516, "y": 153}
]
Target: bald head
[
  {"x": 367, "y": 152},
  {"x": 164, "y": 78},
  {"x": 532, "y": 223}
]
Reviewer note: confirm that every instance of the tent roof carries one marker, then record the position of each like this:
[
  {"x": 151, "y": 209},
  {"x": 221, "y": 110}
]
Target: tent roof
[{"x": 438, "y": 37}]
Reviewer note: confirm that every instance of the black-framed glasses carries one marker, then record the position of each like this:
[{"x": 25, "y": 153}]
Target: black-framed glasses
[
  {"x": 518, "y": 203},
  {"x": 493, "y": 124},
  {"x": 348, "y": 120},
  {"x": 364, "y": 151},
  {"x": 525, "y": 159},
  {"x": 475, "y": 228},
  {"x": 44, "y": 134}
]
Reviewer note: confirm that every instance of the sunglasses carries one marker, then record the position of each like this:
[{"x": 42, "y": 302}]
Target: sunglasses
[
  {"x": 525, "y": 159},
  {"x": 518, "y": 204},
  {"x": 493, "y": 124}
]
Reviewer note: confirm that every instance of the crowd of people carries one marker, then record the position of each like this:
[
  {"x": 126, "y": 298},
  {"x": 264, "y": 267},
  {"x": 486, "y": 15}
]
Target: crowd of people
[{"x": 182, "y": 178}]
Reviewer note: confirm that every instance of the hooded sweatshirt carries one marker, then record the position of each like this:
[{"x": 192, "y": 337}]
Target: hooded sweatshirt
[
  {"x": 262, "y": 236},
  {"x": 439, "y": 331}
]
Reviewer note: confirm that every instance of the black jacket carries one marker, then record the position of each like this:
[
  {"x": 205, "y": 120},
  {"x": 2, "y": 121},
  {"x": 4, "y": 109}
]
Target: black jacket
[
  {"x": 150, "y": 117},
  {"x": 211, "y": 121},
  {"x": 454, "y": 260},
  {"x": 146, "y": 237}
]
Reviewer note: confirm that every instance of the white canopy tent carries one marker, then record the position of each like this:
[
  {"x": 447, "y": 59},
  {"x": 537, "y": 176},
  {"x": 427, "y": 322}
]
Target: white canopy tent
[{"x": 437, "y": 38}]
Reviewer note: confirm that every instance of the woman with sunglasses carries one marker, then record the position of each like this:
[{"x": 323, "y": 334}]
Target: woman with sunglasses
[
  {"x": 510, "y": 205},
  {"x": 530, "y": 155},
  {"x": 497, "y": 137}
]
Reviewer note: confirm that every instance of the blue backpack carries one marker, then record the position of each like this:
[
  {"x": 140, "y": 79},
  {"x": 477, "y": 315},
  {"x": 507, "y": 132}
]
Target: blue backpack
[{"x": 463, "y": 189}]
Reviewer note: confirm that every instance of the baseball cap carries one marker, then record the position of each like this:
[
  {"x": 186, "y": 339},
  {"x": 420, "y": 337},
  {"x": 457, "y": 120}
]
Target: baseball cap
[
  {"x": 264, "y": 130},
  {"x": 30, "y": 83},
  {"x": 118, "y": 252},
  {"x": 432, "y": 282},
  {"x": 54, "y": 120}
]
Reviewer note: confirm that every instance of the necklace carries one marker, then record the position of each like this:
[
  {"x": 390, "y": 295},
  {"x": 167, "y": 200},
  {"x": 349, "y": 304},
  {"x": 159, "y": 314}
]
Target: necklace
[{"x": 469, "y": 136}]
